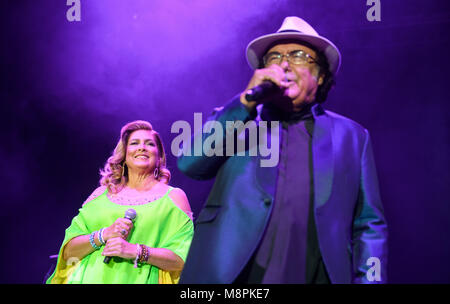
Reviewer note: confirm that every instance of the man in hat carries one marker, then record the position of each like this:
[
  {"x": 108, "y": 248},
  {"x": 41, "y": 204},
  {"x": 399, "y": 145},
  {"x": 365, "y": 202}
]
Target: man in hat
[{"x": 317, "y": 216}]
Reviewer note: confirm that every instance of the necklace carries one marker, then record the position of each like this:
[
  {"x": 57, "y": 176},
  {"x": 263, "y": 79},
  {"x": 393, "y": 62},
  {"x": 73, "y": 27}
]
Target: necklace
[{"x": 131, "y": 196}]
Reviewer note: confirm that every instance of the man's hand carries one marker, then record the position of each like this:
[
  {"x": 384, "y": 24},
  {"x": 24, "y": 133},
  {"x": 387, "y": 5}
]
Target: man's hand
[{"x": 273, "y": 73}]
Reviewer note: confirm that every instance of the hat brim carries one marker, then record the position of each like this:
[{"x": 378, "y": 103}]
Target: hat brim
[{"x": 257, "y": 48}]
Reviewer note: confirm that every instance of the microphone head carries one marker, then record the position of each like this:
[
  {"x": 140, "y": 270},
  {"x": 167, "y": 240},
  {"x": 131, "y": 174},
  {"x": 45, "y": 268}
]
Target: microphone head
[
  {"x": 265, "y": 89},
  {"x": 130, "y": 214}
]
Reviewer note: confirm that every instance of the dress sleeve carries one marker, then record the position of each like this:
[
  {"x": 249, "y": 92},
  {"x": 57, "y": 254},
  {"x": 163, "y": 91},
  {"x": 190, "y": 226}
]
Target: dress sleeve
[
  {"x": 64, "y": 268},
  {"x": 77, "y": 227},
  {"x": 179, "y": 243},
  {"x": 180, "y": 240}
]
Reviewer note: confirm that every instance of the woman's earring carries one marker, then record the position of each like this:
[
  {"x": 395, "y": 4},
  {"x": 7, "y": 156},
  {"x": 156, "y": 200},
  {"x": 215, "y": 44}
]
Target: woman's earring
[
  {"x": 123, "y": 169},
  {"x": 156, "y": 173}
]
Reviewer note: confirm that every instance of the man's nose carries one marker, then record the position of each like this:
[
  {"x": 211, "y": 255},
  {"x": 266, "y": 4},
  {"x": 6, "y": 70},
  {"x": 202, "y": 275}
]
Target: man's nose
[{"x": 285, "y": 64}]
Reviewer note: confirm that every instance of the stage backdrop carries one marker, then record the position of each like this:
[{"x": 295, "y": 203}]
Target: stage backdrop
[{"x": 68, "y": 86}]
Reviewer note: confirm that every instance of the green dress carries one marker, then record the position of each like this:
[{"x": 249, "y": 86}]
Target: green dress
[{"x": 158, "y": 224}]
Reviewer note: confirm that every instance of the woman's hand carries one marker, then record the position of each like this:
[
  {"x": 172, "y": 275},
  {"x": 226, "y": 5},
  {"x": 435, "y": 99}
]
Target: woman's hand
[
  {"x": 120, "y": 248},
  {"x": 120, "y": 228}
]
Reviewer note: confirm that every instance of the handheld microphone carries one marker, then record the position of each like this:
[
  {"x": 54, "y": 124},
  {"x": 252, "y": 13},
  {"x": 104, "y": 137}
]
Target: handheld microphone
[
  {"x": 261, "y": 91},
  {"x": 129, "y": 214}
]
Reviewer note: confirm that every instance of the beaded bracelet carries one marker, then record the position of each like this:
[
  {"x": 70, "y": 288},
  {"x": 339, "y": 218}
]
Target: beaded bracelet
[
  {"x": 142, "y": 254},
  {"x": 148, "y": 254},
  {"x": 143, "y": 249},
  {"x": 145, "y": 254},
  {"x": 91, "y": 240}
]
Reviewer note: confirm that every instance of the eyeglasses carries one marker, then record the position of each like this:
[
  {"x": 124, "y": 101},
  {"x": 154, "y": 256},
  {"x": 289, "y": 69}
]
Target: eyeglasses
[{"x": 298, "y": 57}]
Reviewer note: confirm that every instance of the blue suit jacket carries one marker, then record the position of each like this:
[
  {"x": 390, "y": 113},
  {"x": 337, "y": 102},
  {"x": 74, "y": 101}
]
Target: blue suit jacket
[{"x": 351, "y": 226}]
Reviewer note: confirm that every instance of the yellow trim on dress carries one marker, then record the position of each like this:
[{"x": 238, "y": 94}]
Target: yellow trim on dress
[{"x": 168, "y": 277}]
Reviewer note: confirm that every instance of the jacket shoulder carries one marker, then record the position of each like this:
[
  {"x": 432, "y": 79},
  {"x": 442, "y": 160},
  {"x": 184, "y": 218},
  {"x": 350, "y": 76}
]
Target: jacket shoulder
[{"x": 345, "y": 122}]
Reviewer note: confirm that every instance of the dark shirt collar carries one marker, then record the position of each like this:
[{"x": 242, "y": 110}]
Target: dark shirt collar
[{"x": 270, "y": 112}]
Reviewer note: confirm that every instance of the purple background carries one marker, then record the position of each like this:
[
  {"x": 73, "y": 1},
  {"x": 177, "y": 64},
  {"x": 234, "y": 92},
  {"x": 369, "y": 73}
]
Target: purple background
[{"x": 68, "y": 87}]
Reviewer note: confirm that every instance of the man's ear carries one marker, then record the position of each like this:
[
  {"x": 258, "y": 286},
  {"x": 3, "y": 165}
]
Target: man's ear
[{"x": 320, "y": 80}]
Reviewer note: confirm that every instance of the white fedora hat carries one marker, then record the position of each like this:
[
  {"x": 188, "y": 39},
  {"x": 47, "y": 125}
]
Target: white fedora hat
[{"x": 294, "y": 28}]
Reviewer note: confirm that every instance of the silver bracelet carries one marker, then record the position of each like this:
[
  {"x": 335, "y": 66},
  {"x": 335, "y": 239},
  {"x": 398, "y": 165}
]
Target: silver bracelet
[
  {"x": 91, "y": 240},
  {"x": 100, "y": 237}
]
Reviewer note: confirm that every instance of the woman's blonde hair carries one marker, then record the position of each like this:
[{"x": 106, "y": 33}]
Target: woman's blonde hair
[{"x": 115, "y": 174}]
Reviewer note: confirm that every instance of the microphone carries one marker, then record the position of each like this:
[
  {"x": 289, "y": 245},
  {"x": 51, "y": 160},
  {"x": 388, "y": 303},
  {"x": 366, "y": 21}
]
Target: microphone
[
  {"x": 129, "y": 214},
  {"x": 261, "y": 91}
]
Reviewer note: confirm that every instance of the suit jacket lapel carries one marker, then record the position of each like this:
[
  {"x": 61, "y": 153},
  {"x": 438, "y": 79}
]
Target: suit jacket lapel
[
  {"x": 323, "y": 160},
  {"x": 323, "y": 156},
  {"x": 266, "y": 177}
]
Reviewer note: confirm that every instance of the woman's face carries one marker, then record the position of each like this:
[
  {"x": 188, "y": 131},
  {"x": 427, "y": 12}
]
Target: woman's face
[{"x": 142, "y": 151}]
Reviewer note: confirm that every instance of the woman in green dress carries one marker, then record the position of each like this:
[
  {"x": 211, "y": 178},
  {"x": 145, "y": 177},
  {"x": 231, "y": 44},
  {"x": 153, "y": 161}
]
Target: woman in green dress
[{"x": 150, "y": 249}]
